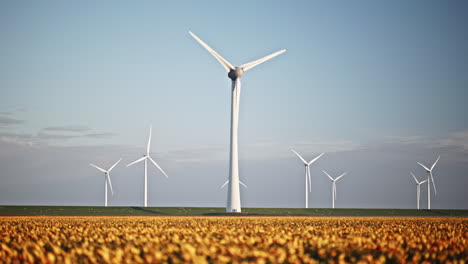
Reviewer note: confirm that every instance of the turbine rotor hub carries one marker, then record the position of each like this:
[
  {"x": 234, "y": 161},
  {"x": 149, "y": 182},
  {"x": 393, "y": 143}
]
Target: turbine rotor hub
[{"x": 236, "y": 73}]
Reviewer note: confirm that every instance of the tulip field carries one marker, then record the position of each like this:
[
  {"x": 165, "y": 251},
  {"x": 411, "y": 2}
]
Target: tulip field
[{"x": 232, "y": 239}]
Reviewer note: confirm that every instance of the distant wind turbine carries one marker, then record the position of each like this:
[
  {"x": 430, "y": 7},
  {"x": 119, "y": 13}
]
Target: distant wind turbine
[
  {"x": 147, "y": 157},
  {"x": 334, "y": 186},
  {"x": 418, "y": 188},
  {"x": 234, "y": 73},
  {"x": 107, "y": 179},
  {"x": 222, "y": 186},
  {"x": 429, "y": 179},
  {"x": 307, "y": 175}
]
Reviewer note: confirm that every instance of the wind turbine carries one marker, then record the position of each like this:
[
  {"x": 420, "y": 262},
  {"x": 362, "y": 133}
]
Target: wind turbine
[
  {"x": 334, "y": 186},
  {"x": 307, "y": 175},
  {"x": 429, "y": 179},
  {"x": 235, "y": 74},
  {"x": 147, "y": 157},
  {"x": 107, "y": 179},
  {"x": 228, "y": 182},
  {"x": 418, "y": 188}
]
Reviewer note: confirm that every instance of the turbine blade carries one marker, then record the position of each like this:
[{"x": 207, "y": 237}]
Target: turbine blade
[
  {"x": 433, "y": 184},
  {"x": 115, "y": 164},
  {"x": 428, "y": 170},
  {"x": 149, "y": 141},
  {"x": 243, "y": 184},
  {"x": 297, "y": 154},
  {"x": 158, "y": 166},
  {"x": 415, "y": 178},
  {"x": 433, "y": 165},
  {"x": 228, "y": 66},
  {"x": 250, "y": 65},
  {"x": 312, "y": 161},
  {"x": 328, "y": 175},
  {"x": 308, "y": 175},
  {"x": 97, "y": 168},
  {"x": 423, "y": 182},
  {"x": 337, "y": 178},
  {"x": 224, "y": 184},
  {"x": 136, "y": 161},
  {"x": 110, "y": 183}
]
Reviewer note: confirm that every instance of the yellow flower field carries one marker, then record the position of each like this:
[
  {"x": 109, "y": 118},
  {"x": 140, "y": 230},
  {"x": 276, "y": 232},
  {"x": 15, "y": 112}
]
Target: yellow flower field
[{"x": 108, "y": 239}]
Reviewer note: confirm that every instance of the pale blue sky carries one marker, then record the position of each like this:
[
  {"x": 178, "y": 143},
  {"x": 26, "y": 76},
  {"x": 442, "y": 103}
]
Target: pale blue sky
[{"x": 367, "y": 82}]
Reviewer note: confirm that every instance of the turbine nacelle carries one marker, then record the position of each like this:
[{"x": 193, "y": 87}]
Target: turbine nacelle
[{"x": 236, "y": 73}]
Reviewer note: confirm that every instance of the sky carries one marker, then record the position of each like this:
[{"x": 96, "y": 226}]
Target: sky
[{"x": 378, "y": 86}]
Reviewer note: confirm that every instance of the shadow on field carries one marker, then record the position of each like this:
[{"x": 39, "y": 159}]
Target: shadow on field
[{"x": 147, "y": 211}]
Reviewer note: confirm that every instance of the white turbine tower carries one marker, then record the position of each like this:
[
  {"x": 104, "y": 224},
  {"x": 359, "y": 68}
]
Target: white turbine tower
[
  {"x": 334, "y": 186},
  {"x": 235, "y": 74},
  {"x": 418, "y": 188},
  {"x": 147, "y": 157},
  {"x": 107, "y": 179},
  {"x": 429, "y": 179},
  {"x": 307, "y": 175}
]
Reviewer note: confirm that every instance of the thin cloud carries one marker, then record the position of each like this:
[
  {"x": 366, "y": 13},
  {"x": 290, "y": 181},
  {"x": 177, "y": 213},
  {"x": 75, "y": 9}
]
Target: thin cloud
[
  {"x": 4, "y": 120},
  {"x": 67, "y": 128},
  {"x": 458, "y": 140},
  {"x": 43, "y": 138},
  {"x": 405, "y": 139},
  {"x": 337, "y": 145},
  {"x": 99, "y": 135},
  {"x": 201, "y": 154},
  {"x": 22, "y": 109},
  {"x": 17, "y": 139},
  {"x": 45, "y": 135}
]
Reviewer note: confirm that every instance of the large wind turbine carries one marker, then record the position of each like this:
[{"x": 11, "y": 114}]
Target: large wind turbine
[
  {"x": 334, "y": 186},
  {"x": 147, "y": 157},
  {"x": 307, "y": 175},
  {"x": 418, "y": 188},
  {"x": 235, "y": 74},
  {"x": 429, "y": 179},
  {"x": 107, "y": 179}
]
